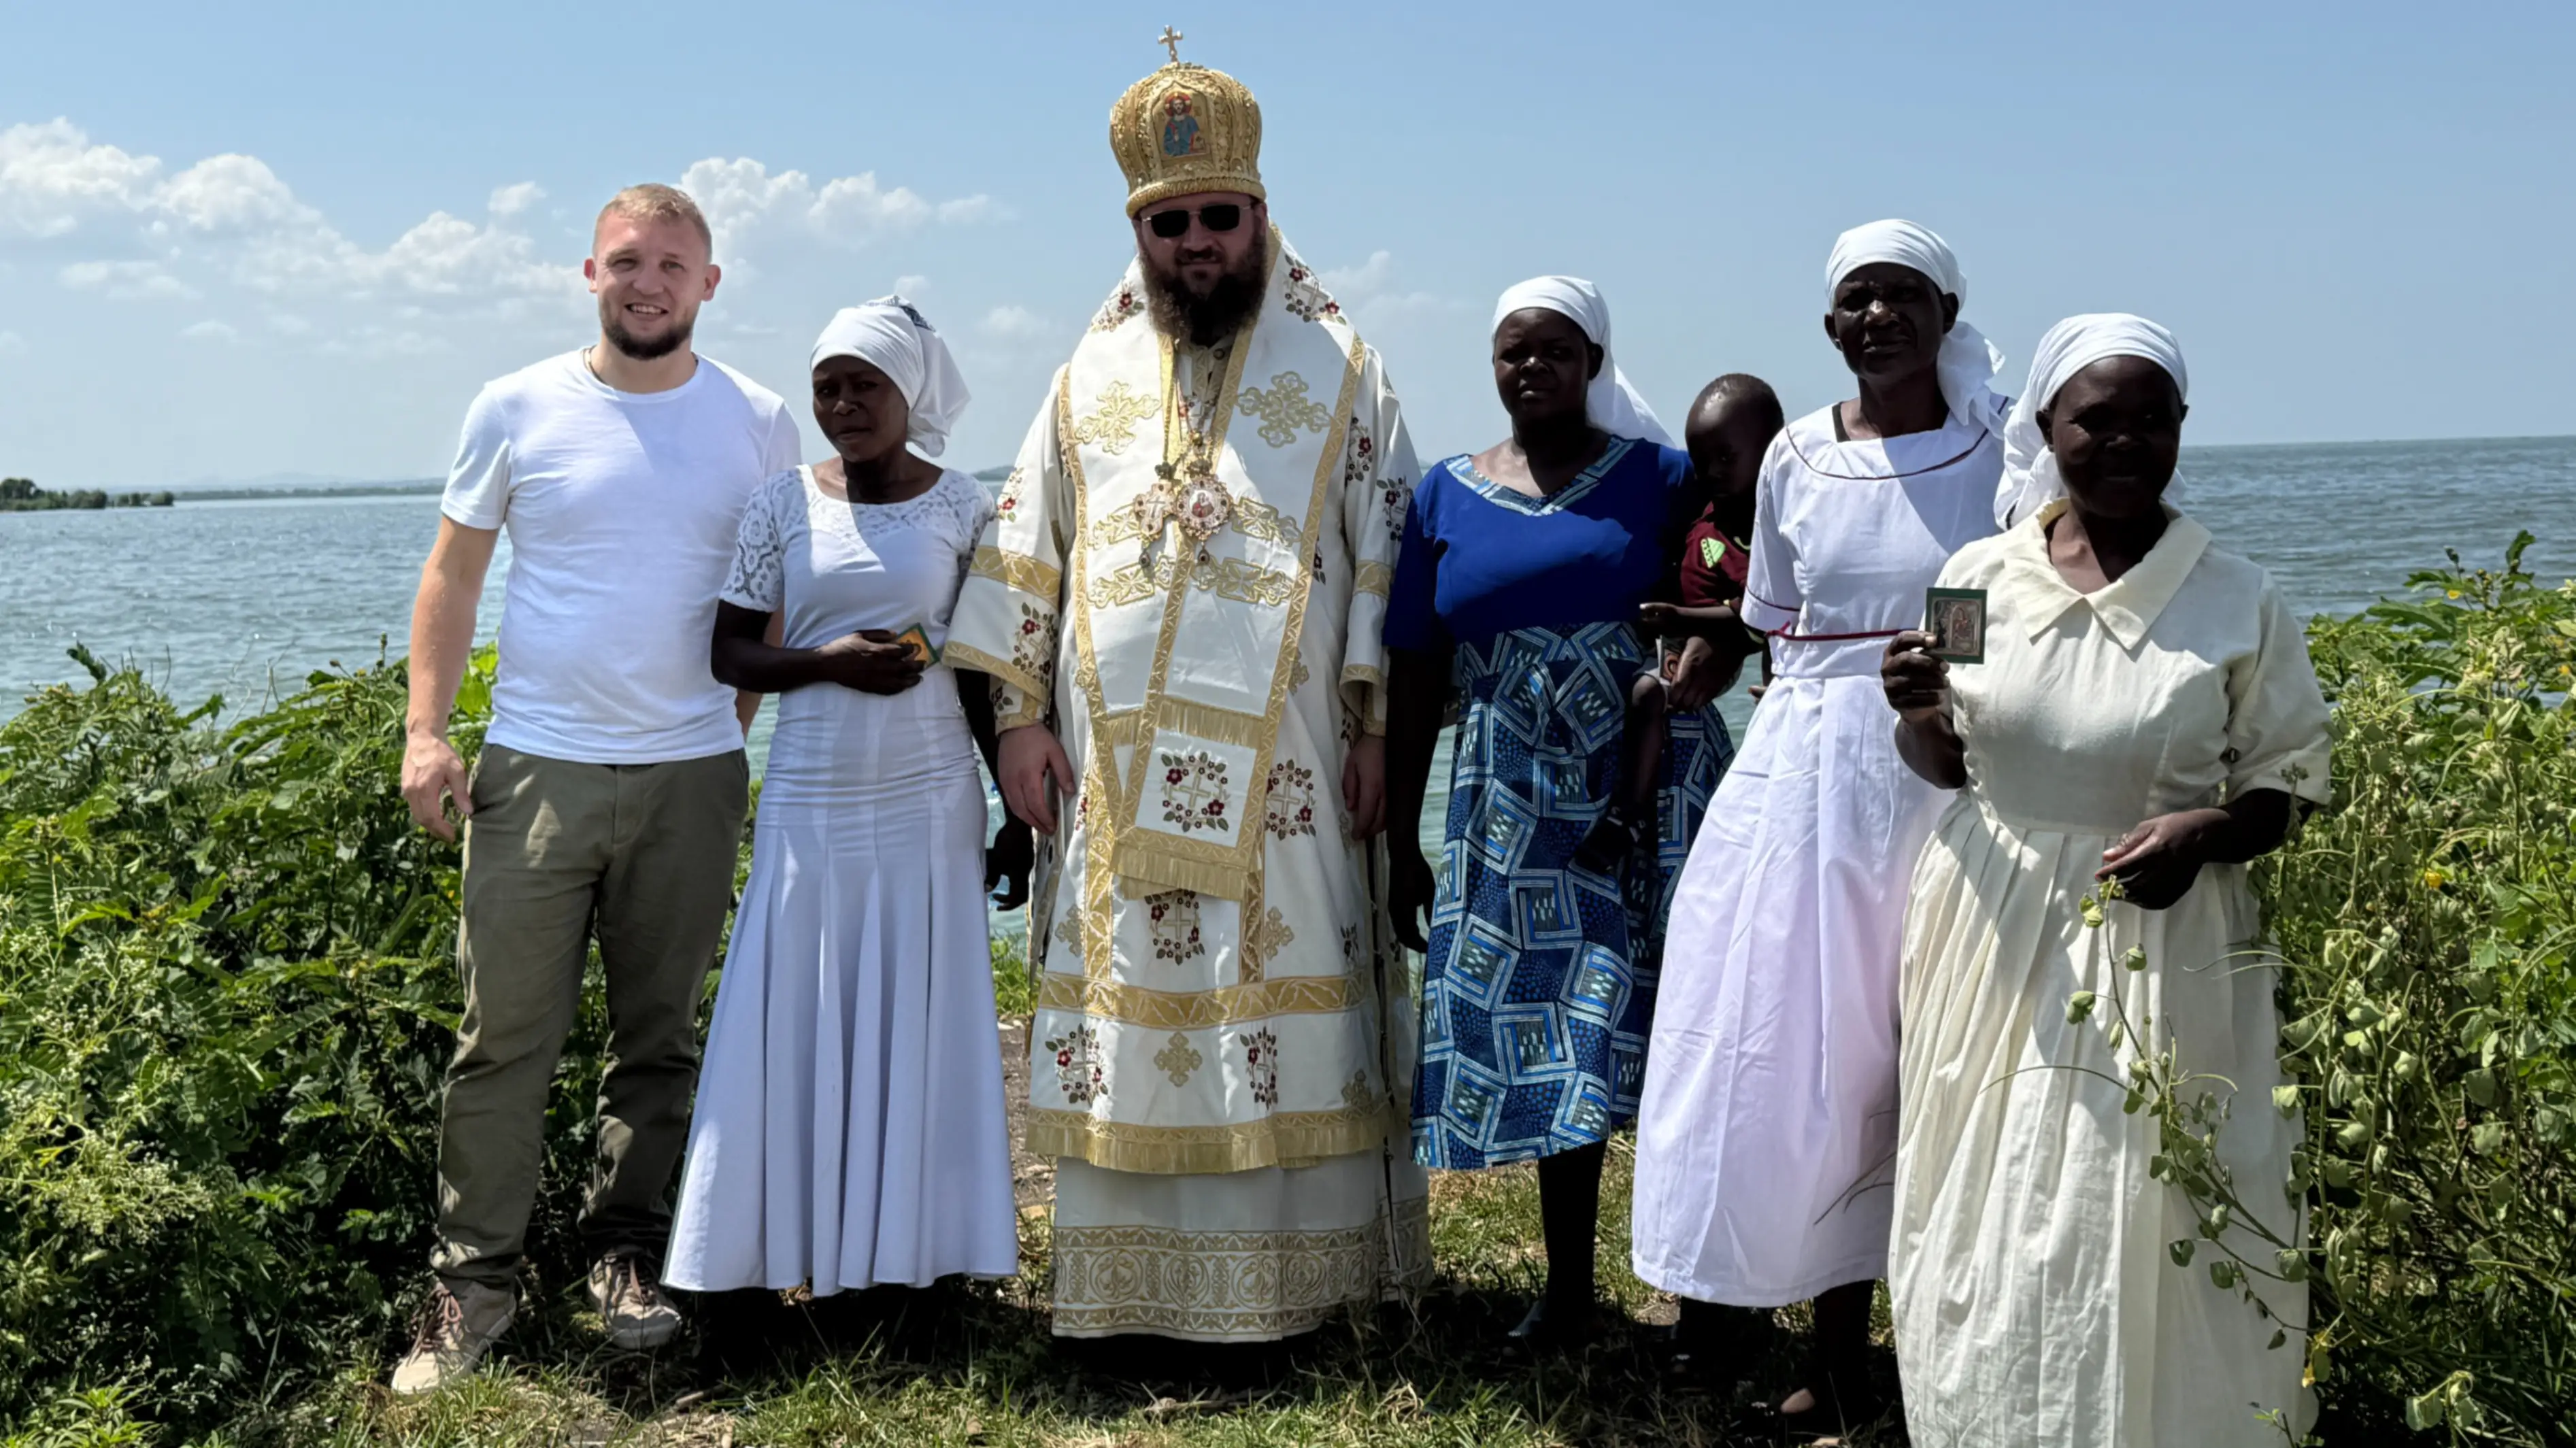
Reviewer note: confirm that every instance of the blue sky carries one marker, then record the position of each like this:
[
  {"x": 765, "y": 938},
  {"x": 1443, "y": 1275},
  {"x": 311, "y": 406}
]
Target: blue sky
[{"x": 273, "y": 238}]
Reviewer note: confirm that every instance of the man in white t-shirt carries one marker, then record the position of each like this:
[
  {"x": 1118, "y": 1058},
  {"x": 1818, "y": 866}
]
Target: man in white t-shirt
[{"x": 608, "y": 800}]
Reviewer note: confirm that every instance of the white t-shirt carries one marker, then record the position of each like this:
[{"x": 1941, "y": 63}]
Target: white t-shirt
[{"x": 622, "y": 509}]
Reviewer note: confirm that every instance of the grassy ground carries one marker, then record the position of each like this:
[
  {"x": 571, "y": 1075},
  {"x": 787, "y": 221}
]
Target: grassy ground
[{"x": 976, "y": 1364}]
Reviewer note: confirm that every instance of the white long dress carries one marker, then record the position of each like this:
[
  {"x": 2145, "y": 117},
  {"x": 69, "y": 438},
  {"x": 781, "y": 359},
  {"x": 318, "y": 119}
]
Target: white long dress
[
  {"x": 1767, "y": 1129},
  {"x": 2035, "y": 1303},
  {"x": 849, "y": 1127}
]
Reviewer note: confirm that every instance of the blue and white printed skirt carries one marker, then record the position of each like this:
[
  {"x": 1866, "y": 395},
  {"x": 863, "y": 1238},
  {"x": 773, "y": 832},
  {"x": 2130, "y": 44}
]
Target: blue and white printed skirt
[{"x": 1540, "y": 983}]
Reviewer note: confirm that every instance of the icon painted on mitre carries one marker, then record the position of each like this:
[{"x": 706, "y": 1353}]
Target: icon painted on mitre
[{"x": 1180, "y": 128}]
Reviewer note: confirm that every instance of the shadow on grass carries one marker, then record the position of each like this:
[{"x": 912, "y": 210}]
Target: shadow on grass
[{"x": 975, "y": 1363}]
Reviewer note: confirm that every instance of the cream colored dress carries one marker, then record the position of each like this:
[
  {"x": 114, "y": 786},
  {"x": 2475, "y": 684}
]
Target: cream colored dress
[{"x": 2035, "y": 1302}]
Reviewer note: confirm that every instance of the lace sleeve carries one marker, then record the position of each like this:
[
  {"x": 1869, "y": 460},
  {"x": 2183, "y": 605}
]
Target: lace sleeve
[{"x": 758, "y": 580}]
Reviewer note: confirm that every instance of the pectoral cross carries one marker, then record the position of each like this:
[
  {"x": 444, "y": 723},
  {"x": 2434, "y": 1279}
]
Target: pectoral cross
[{"x": 1171, "y": 40}]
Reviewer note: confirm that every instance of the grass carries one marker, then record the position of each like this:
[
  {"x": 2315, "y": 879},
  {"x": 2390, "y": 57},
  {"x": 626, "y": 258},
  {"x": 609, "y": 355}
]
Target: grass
[{"x": 975, "y": 1363}]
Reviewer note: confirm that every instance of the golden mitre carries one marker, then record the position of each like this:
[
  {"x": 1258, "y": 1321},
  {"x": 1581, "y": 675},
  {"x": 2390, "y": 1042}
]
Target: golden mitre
[{"x": 1184, "y": 129}]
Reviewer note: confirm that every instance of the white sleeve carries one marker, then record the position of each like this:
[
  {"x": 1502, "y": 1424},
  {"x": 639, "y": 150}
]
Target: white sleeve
[
  {"x": 1772, "y": 597},
  {"x": 783, "y": 449},
  {"x": 758, "y": 580},
  {"x": 2277, "y": 718},
  {"x": 478, "y": 486}
]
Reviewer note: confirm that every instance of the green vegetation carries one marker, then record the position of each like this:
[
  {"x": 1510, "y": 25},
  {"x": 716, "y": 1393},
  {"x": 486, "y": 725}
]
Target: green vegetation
[
  {"x": 21, "y": 495},
  {"x": 225, "y": 1001}
]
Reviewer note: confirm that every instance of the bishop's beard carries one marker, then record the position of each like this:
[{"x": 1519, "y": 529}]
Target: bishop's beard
[{"x": 1212, "y": 318}]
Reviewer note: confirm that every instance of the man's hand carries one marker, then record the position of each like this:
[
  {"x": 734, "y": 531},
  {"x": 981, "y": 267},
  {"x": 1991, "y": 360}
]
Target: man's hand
[
  {"x": 432, "y": 777},
  {"x": 1034, "y": 771},
  {"x": 2157, "y": 862},
  {"x": 1411, "y": 891},
  {"x": 871, "y": 662},
  {"x": 1364, "y": 785},
  {"x": 1916, "y": 683}
]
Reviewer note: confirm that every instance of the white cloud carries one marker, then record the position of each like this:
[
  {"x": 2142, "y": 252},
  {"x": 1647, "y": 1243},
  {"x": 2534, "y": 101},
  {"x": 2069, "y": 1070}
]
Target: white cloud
[
  {"x": 126, "y": 281},
  {"x": 11, "y": 342},
  {"x": 742, "y": 199},
  {"x": 1371, "y": 287},
  {"x": 287, "y": 324},
  {"x": 233, "y": 194},
  {"x": 52, "y": 179},
  {"x": 1013, "y": 323},
  {"x": 210, "y": 330},
  {"x": 912, "y": 285},
  {"x": 511, "y": 200}
]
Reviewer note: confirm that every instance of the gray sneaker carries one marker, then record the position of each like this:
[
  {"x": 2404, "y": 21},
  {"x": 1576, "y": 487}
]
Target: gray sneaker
[
  {"x": 626, "y": 1288},
  {"x": 456, "y": 1325}
]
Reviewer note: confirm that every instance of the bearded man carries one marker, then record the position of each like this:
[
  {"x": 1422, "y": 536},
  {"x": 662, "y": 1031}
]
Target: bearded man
[
  {"x": 1179, "y": 603},
  {"x": 609, "y": 796}
]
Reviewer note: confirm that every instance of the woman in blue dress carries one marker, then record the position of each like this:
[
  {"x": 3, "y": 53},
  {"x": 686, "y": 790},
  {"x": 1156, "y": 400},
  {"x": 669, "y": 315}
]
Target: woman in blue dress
[{"x": 1516, "y": 597}]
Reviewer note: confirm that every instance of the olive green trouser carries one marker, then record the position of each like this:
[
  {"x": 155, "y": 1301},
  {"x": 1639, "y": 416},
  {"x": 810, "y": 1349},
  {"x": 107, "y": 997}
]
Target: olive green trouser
[{"x": 643, "y": 855}]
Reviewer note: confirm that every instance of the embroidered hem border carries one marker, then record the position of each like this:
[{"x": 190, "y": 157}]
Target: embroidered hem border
[
  {"x": 1285, "y": 1138},
  {"x": 1115, "y": 1000},
  {"x": 1221, "y": 1286}
]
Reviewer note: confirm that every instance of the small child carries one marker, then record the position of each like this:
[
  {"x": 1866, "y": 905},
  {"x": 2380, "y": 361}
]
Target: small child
[{"x": 1730, "y": 427}]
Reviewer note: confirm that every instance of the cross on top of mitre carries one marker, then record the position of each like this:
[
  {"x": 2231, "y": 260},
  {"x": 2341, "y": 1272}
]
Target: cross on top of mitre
[{"x": 1171, "y": 40}]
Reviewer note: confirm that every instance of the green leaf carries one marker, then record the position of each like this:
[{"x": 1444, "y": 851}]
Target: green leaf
[
  {"x": 2285, "y": 1099},
  {"x": 2480, "y": 1086},
  {"x": 2180, "y": 1249}
]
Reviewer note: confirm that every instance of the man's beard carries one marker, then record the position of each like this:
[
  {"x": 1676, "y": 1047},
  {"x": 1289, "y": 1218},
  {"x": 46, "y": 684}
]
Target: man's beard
[
  {"x": 1218, "y": 315},
  {"x": 642, "y": 349}
]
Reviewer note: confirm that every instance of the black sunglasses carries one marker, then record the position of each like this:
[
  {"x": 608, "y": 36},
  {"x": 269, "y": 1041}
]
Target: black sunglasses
[{"x": 1216, "y": 216}]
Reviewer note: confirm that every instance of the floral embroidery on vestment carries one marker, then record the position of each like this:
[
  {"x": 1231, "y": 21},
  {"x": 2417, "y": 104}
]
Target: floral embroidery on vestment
[
  {"x": 1193, "y": 791},
  {"x": 1078, "y": 1064},
  {"x": 1292, "y": 800},
  {"x": 1114, "y": 313},
  {"x": 1174, "y": 917},
  {"x": 1303, "y": 298},
  {"x": 1261, "y": 1057}
]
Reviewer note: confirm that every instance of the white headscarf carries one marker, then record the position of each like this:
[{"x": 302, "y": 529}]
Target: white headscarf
[
  {"x": 2030, "y": 470},
  {"x": 893, "y": 336},
  {"x": 1968, "y": 362},
  {"x": 1610, "y": 402}
]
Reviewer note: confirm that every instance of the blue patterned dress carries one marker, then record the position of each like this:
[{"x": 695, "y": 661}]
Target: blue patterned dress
[{"x": 1540, "y": 980}]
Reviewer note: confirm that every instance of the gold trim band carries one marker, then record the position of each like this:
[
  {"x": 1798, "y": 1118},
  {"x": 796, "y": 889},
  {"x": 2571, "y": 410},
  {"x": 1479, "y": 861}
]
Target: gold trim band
[{"x": 1163, "y": 1010}]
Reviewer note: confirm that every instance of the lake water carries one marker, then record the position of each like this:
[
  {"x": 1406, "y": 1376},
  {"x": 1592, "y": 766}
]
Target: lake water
[{"x": 245, "y": 598}]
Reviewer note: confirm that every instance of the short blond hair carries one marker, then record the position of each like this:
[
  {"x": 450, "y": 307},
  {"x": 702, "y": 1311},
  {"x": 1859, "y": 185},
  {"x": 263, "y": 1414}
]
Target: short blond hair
[{"x": 653, "y": 201}]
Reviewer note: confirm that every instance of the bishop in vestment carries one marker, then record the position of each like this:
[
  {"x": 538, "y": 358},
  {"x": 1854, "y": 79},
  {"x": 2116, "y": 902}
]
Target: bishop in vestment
[{"x": 1179, "y": 601}]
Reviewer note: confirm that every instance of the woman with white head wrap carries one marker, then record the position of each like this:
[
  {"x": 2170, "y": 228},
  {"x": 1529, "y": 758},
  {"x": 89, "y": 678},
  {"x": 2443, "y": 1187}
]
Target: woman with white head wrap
[
  {"x": 1610, "y": 401},
  {"x": 849, "y": 1129},
  {"x": 1530, "y": 560},
  {"x": 2030, "y": 470},
  {"x": 2144, "y": 716},
  {"x": 1769, "y": 1116}
]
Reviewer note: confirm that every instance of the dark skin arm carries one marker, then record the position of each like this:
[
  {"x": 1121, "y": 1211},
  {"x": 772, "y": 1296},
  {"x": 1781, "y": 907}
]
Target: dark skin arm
[
  {"x": 1714, "y": 648},
  {"x": 1417, "y": 695},
  {"x": 2155, "y": 863},
  {"x": 1918, "y": 689},
  {"x": 743, "y": 656},
  {"x": 1008, "y": 862},
  {"x": 869, "y": 661}
]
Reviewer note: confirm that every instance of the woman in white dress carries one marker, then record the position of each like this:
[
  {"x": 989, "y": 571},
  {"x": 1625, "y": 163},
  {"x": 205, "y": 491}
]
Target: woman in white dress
[
  {"x": 2144, "y": 714},
  {"x": 849, "y": 1127},
  {"x": 1768, "y": 1124}
]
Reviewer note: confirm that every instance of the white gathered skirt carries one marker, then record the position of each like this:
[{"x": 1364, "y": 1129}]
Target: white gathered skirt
[
  {"x": 849, "y": 1127},
  {"x": 1766, "y": 1136},
  {"x": 2035, "y": 1304}
]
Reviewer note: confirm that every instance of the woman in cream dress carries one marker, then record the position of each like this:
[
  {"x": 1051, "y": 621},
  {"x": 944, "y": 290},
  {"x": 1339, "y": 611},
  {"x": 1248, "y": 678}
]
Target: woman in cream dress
[{"x": 2144, "y": 713}]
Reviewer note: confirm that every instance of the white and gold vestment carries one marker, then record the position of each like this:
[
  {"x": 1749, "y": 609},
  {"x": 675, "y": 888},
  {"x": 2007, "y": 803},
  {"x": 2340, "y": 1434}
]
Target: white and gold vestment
[{"x": 1186, "y": 579}]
